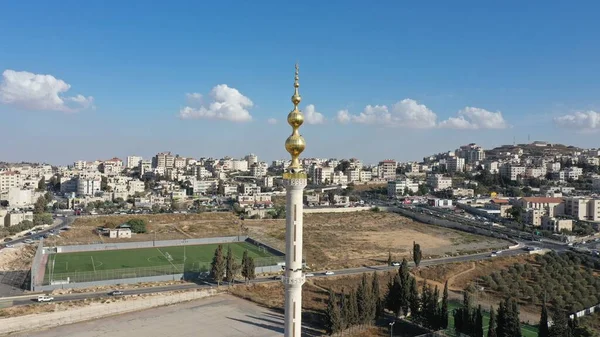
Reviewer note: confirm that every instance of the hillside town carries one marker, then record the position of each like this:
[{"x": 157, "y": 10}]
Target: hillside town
[{"x": 549, "y": 187}]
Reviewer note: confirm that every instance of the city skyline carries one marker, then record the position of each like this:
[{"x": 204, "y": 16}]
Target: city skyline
[{"x": 384, "y": 81}]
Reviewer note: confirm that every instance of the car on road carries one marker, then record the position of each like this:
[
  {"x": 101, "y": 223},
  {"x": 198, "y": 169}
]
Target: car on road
[
  {"x": 309, "y": 275},
  {"x": 116, "y": 293},
  {"x": 45, "y": 298},
  {"x": 277, "y": 277},
  {"x": 329, "y": 272},
  {"x": 8, "y": 245},
  {"x": 28, "y": 241},
  {"x": 395, "y": 264},
  {"x": 493, "y": 255}
]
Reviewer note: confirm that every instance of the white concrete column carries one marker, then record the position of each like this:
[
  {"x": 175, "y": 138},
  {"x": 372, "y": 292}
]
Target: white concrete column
[{"x": 294, "y": 277}]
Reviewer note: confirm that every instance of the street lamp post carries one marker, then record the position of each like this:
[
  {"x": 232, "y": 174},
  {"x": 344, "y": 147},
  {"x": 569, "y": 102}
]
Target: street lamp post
[{"x": 392, "y": 328}]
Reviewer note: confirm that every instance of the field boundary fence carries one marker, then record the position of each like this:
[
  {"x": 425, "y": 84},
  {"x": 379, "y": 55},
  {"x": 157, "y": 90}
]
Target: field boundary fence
[{"x": 43, "y": 277}]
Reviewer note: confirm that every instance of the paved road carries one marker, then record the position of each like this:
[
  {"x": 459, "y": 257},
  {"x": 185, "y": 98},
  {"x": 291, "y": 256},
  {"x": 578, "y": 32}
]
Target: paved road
[{"x": 29, "y": 299}]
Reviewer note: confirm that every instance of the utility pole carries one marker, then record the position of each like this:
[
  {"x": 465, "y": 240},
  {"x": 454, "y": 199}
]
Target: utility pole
[{"x": 392, "y": 328}]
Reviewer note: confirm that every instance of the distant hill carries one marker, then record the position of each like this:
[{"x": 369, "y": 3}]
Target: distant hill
[{"x": 536, "y": 149}]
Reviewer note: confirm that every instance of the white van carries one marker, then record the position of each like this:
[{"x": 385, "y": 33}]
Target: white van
[{"x": 44, "y": 298}]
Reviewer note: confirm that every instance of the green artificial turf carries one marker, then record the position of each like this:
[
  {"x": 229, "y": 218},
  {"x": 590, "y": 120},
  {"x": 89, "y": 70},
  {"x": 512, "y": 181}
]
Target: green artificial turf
[{"x": 125, "y": 263}]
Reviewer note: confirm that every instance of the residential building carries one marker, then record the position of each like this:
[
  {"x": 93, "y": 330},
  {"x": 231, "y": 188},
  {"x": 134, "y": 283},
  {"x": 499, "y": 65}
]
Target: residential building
[
  {"x": 573, "y": 172},
  {"x": 133, "y": 161},
  {"x": 387, "y": 169},
  {"x": 311, "y": 199},
  {"x": 553, "y": 167},
  {"x": 322, "y": 175},
  {"x": 251, "y": 159},
  {"x": 254, "y": 199},
  {"x": 259, "y": 169},
  {"x": 239, "y": 165},
  {"x": 249, "y": 188},
  {"x": 339, "y": 178},
  {"x": 341, "y": 200},
  {"x": 163, "y": 160},
  {"x": 533, "y": 216},
  {"x": 455, "y": 164},
  {"x": 492, "y": 166},
  {"x": 88, "y": 185},
  {"x": 583, "y": 208},
  {"x": 10, "y": 179},
  {"x": 556, "y": 225},
  {"x": 471, "y": 153},
  {"x": 112, "y": 166},
  {"x": 365, "y": 175},
  {"x": 501, "y": 205},
  {"x": 119, "y": 233},
  {"x": 535, "y": 172},
  {"x": 136, "y": 186},
  {"x": 17, "y": 197},
  {"x": 548, "y": 206},
  {"x": 179, "y": 162},
  {"x": 439, "y": 182},
  {"x": 401, "y": 186},
  {"x": 144, "y": 166},
  {"x": 205, "y": 186},
  {"x": 435, "y": 202},
  {"x": 16, "y": 217},
  {"x": 266, "y": 182},
  {"x": 513, "y": 172},
  {"x": 463, "y": 192},
  {"x": 353, "y": 174}
]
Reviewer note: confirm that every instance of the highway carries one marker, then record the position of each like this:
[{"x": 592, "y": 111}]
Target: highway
[
  {"x": 31, "y": 298},
  {"x": 59, "y": 222}
]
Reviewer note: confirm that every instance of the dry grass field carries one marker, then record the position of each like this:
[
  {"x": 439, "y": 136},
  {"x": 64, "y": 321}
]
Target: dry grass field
[{"x": 331, "y": 240}]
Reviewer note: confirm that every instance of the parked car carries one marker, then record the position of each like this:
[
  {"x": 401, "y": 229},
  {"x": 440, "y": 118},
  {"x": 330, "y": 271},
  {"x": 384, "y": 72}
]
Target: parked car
[
  {"x": 116, "y": 293},
  {"x": 45, "y": 298}
]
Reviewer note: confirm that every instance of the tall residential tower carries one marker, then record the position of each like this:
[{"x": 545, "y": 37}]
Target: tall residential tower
[{"x": 294, "y": 179}]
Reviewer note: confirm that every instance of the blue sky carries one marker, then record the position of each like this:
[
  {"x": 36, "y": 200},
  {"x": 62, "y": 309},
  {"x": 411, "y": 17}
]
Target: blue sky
[{"x": 407, "y": 67}]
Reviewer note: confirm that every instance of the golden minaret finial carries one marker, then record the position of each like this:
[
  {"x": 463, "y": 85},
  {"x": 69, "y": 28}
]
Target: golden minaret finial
[{"x": 295, "y": 143}]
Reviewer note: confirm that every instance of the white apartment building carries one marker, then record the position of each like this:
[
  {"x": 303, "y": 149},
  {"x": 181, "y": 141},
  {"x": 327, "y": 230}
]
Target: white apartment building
[
  {"x": 535, "y": 172},
  {"x": 10, "y": 179},
  {"x": 259, "y": 169},
  {"x": 255, "y": 199},
  {"x": 133, "y": 161},
  {"x": 338, "y": 178},
  {"x": 205, "y": 186},
  {"x": 455, "y": 164},
  {"x": 249, "y": 188},
  {"x": 239, "y": 165},
  {"x": 266, "y": 181},
  {"x": 583, "y": 208},
  {"x": 201, "y": 173},
  {"x": 17, "y": 197},
  {"x": 533, "y": 216},
  {"x": 353, "y": 174},
  {"x": 513, "y": 172},
  {"x": 387, "y": 169},
  {"x": 573, "y": 172},
  {"x": 179, "y": 162},
  {"x": 136, "y": 186},
  {"x": 15, "y": 218},
  {"x": 112, "y": 166},
  {"x": 439, "y": 182},
  {"x": 548, "y": 206},
  {"x": 471, "y": 153},
  {"x": 229, "y": 190},
  {"x": 79, "y": 165},
  {"x": 556, "y": 225},
  {"x": 322, "y": 175},
  {"x": 492, "y": 166},
  {"x": 399, "y": 187},
  {"x": 144, "y": 166},
  {"x": 251, "y": 159},
  {"x": 88, "y": 186},
  {"x": 365, "y": 175},
  {"x": 163, "y": 160},
  {"x": 553, "y": 167}
]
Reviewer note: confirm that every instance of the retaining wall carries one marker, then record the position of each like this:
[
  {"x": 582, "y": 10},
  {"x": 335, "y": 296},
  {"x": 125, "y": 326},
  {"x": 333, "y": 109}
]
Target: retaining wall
[
  {"x": 148, "y": 244},
  {"x": 77, "y": 285},
  {"x": 309, "y": 210}
]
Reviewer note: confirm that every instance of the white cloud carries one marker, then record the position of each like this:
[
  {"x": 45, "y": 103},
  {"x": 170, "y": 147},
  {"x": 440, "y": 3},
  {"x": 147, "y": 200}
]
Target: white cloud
[
  {"x": 194, "y": 98},
  {"x": 272, "y": 121},
  {"x": 405, "y": 113},
  {"x": 311, "y": 116},
  {"x": 227, "y": 104},
  {"x": 475, "y": 118},
  {"x": 40, "y": 92},
  {"x": 583, "y": 121}
]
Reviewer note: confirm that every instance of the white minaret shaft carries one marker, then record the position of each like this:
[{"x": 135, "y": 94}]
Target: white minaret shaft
[
  {"x": 294, "y": 277},
  {"x": 294, "y": 179}
]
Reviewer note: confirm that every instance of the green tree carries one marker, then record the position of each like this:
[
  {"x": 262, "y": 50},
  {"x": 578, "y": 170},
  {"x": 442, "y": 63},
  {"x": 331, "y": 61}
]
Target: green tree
[
  {"x": 251, "y": 269},
  {"x": 404, "y": 286},
  {"x": 389, "y": 260},
  {"x": 414, "y": 300},
  {"x": 543, "y": 329},
  {"x": 501, "y": 326},
  {"x": 444, "y": 308},
  {"x": 245, "y": 265},
  {"x": 137, "y": 225},
  {"x": 48, "y": 197},
  {"x": 492, "y": 324},
  {"x": 333, "y": 315},
  {"x": 230, "y": 266},
  {"x": 344, "y": 304},
  {"x": 417, "y": 254},
  {"x": 40, "y": 205},
  {"x": 560, "y": 327},
  {"x": 376, "y": 295},
  {"x": 365, "y": 301},
  {"x": 352, "y": 318},
  {"x": 42, "y": 184},
  {"x": 478, "y": 323},
  {"x": 217, "y": 266}
]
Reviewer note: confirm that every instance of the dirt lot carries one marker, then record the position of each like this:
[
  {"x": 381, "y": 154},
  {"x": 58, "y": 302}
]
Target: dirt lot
[{"x": 331, "y": 240}]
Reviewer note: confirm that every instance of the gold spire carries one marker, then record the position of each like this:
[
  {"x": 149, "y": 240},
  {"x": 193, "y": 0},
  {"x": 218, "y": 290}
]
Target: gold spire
[{"x": 295, "y": 143}]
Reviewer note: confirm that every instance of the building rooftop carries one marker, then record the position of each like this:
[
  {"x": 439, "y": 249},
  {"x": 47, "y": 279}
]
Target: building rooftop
[{"x": 543, "y": 200}]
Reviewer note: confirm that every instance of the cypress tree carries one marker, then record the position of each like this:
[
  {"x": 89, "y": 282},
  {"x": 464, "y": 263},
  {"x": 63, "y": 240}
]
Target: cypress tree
[
  {"x": 391, "y": 295},
  {"x": 560, "y": 326},
  {"x": 501, "y": 328},
  {"x": 543, "y": 329},
  {"x": 478, "y": 323},
  {"x": 515, "y": 319},
  {"x": 353, "y": 318},
  {"x": 417, "y": 254},
  {"x": 424, "y": 313},
  {"x": 404, "y": 286},
  {"x": 332, "y": 314},
  {"x": 414, "y": 300},
  {"x": 376, "y": 296},
  {"x": 365, "y": 301},
  {"x": 217, "y": 267},
  {"x": 229, "y": 266},
  {"x": 344, "y": 309},
  {"x": 492, "y": 324},
  {"x": 245, "y": 266},
  {"x": 444, "y": 308},
  {"x": 389, "y": 261},
  {"x": 251, "y": 269},
  {"x": 435, "y": 317}
]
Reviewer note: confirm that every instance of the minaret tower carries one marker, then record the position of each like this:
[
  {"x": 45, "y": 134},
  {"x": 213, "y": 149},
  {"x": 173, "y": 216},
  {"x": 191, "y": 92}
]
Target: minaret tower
[{"x": 294, "y": 179}]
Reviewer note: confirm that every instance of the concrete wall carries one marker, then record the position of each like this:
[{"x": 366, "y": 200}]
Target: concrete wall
[
  {"x": 148, "y": 244},
  {"x": 161, "y": 278},
  {"x": 308, "y": 210}
]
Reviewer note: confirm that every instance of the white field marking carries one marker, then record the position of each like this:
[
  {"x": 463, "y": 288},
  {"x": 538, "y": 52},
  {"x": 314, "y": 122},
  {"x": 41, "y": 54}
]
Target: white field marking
[{"x": 166, "y": 258}]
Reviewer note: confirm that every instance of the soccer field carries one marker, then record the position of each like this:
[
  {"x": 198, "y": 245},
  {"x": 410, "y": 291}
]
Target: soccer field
[{"x": 125, "y": 263}]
